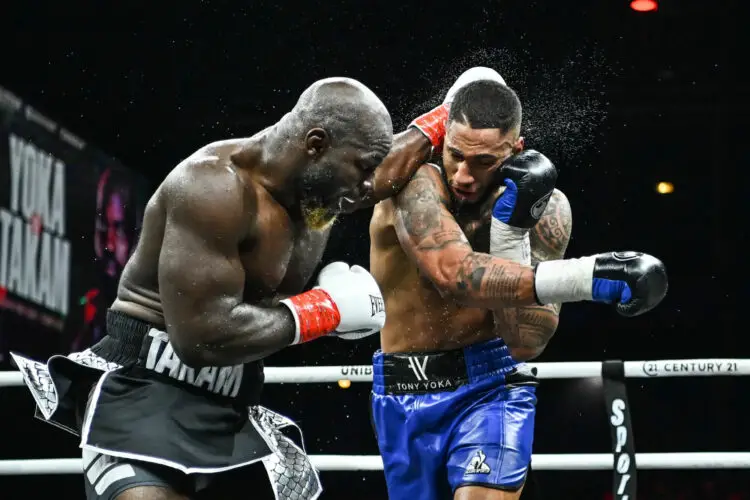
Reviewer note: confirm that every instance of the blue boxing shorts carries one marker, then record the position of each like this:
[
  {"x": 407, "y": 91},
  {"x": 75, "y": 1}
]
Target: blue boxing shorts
[{"x": 453, "y": 418}]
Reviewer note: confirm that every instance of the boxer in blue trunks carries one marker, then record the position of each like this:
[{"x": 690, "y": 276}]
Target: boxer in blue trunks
[{"x": 473, "y": 277}]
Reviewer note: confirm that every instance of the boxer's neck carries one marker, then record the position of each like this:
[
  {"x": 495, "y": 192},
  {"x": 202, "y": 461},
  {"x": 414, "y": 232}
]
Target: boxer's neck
[{"x": 274, "y": 162}]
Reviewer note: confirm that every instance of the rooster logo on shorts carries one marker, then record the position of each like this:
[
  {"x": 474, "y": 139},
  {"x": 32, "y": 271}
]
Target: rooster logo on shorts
[{"x": 477, "y": 465}]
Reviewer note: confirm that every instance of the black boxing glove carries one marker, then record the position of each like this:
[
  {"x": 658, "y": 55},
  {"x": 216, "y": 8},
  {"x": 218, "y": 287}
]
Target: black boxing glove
[
  {"x": 529, "y": 179},
  {"x": 636, "y": 282}
]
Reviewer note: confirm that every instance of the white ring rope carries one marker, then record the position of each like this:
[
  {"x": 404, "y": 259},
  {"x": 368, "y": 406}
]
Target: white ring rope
[
  {"x": 576, "y": 369},
  {"x": 584, "y": 461},
  {"x": 363, "y": 373}
]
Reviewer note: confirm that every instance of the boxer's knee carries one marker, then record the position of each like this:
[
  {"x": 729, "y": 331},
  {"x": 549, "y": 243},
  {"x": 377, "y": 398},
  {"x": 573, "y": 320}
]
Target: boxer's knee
[
  {"x": 150, "y": 493},
  {"x": 485, "y": 493}
]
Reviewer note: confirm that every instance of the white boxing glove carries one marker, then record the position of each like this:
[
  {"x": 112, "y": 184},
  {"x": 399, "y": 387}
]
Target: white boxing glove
[
  {"x": 357, "y": 297},
  {"x": 472, "y": 75}
]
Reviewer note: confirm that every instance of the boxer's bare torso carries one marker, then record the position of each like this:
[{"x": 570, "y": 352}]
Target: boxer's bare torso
[
  {"x": 419, "y": 319},
  {"x": 276, "y": 250}
]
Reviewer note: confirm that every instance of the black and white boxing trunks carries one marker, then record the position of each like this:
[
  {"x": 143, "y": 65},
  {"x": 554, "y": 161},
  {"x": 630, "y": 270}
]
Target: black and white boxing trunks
[{"x": 132, "y": 401}]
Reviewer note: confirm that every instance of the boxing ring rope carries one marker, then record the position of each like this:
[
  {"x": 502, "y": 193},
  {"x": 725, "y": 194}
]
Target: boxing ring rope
[
  {"x": 561, "y": 370},
  {"x": 622, "y": 460},
  {"x": 352, "y": 463}
]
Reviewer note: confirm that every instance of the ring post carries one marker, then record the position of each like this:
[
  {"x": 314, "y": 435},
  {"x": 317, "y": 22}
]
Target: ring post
[{"x": 624, "y": 478}]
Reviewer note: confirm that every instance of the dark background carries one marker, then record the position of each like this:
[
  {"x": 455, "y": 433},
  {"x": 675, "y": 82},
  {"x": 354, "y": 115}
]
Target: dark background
[{"x": 618, "y": 99}]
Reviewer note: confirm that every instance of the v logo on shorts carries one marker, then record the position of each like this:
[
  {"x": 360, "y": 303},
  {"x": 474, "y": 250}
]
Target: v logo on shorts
[
  {"x": 418, "y": 365},
  {"x": 477, "y": 465}
]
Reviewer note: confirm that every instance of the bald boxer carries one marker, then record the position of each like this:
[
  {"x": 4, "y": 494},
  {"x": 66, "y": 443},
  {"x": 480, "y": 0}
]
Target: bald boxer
[
  {"x": 473, "y": 281},
  {"x": 229, "y": 241}
]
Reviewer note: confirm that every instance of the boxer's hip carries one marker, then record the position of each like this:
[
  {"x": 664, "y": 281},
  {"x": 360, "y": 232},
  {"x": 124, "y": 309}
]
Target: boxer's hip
[
  {"x": 130, "y": 396},
  {"x": 137, "y": 358},
  {"x": 473, "y": 366},
  {"x": 431, "y": 394},
  {"x": 469, "y": 411}
]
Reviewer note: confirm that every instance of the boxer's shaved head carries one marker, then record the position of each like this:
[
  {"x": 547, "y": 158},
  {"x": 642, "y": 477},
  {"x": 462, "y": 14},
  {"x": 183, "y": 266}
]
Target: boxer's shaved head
[
  {"x": 487, "y": 104},
  {"x": 348, "y": 111},
  {"x": 346, "y": 132}
]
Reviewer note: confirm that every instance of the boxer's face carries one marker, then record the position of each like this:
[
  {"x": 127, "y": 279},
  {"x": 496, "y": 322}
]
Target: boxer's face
[
  {"x": 471, "y": 156},
  {"x": 336, "y": 180}
]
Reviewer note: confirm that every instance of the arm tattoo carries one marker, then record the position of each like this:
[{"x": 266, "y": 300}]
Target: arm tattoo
[
  {"x": 420, "y": 208},
  {"x": 479, "y": 274},
  {"x": 471, "y": 273},
  {"x": 531, "y": 328},
  {"x": 549, "y": 238},
  {"x": 429, "y": 230}
]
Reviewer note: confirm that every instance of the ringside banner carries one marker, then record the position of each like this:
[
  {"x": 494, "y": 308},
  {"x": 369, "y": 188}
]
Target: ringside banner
[{"x": 69, "y": 219}]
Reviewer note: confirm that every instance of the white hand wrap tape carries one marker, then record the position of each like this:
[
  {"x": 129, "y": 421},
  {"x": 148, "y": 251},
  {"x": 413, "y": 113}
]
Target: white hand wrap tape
[
  {"x": 570, "y": 280},
  {"x": 508, "y": 242}
]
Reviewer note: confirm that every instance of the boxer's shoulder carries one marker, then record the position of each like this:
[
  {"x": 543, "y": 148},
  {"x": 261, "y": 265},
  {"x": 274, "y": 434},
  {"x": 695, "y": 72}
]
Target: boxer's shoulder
[
  {"x": 550, "y": 236},
  {"x": 220, "y": 150},
  {"x": 558, "y": 208},
  {"x": 203, "y": 189},
  {"x": 559, "y": 199},
  {"x": 426, "y": 186}
]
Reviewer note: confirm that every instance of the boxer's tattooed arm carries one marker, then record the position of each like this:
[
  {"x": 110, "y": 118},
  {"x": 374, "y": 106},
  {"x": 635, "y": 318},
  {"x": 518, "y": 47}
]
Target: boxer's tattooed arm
[
  {"x": 550, "y": 237},
  {"x": 430, "y": 235},
  {"x": 527, "y": 330}
]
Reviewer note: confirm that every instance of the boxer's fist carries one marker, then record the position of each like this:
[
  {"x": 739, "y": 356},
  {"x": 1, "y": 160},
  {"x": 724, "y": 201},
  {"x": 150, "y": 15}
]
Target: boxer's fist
[
  {"x": 529, "y": 179},
  {"x": 357, "y": 298},
  {"x": 636, "y": 282},
  {"x": 432, "y": 125}
]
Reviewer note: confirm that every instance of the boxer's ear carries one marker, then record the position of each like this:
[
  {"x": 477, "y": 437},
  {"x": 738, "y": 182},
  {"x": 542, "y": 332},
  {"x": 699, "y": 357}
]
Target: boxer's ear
[
  {"x": 518, "y": 146},
  {"x": 317, "y": 141}
]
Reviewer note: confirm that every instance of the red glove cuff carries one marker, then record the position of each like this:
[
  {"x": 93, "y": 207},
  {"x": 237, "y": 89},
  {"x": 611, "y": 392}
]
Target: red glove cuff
[
  {"x": 432, "y": 125},
  {"x": 315, "y": 313}
]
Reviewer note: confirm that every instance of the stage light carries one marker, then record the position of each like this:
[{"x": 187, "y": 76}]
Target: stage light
[
  {"x": 345, "y": 384},
  {"x": 644, "y": 5},
  {"x": 665, "y": 188}
]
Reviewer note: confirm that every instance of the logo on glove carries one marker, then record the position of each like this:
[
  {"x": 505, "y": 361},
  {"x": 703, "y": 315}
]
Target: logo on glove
[
  {"x": 625, "y": 256},
  {"x": 378, "y": 306},
  {"x": 538, "y": 208}
]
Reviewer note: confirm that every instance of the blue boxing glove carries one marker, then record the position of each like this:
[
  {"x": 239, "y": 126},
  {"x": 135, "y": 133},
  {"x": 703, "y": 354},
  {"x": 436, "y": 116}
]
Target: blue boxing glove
[
  {"x": 529, "y": 179},
  {"x": 635, "y": 282}
]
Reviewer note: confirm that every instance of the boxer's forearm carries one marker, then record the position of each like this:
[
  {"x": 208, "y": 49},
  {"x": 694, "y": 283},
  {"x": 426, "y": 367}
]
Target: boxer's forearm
[
  {"x": 477, "y": 279},
  {"x": 240, "y": 335},
  {"x": 481, "y": 280},
  {"x": 410, "y": 149}
]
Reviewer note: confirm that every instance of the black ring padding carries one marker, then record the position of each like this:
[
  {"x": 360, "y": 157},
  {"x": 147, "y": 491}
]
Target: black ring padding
[{"x": 613, "y": 369}]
